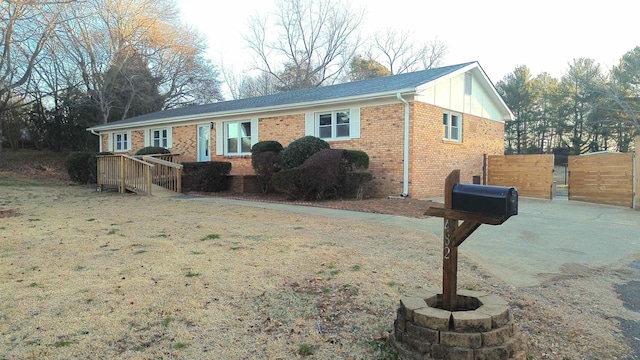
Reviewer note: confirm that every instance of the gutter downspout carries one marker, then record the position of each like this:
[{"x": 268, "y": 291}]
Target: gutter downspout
[
  {"x": 98, "y": 135},
  {"x": 405, "y": 186}
]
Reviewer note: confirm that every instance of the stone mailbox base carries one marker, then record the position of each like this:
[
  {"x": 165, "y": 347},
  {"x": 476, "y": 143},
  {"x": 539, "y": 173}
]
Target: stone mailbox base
[{"x": 480, "y": 328}]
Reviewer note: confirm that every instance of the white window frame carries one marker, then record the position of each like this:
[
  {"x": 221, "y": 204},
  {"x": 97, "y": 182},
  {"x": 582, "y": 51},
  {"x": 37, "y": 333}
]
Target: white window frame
[
  {"x": 239, "y": 138},
  {"x": 150, "y": 140},
  {"x": 448, "y": 126},
  {"x": 333, "y": 125},
  {"x": 312, "y": 124},
  {"x": 222, "y": 137},
  {"x": 114, "y": 140}
]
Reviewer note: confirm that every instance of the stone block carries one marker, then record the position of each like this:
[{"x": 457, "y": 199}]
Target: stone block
[
  {"x": 416, "y": 345},
  {"x": 498, "y": 336},
  {"x": 432, "y": 318},
  {"x": 397, "y": 335},
  {"x": 451, "y": 353},
  {"x": 405, "y": 353},
  {"x": 471, "y": 321},
  {"x": 401, "y": 321},
  {"x": 411, "y": 304},
  {"x": 423, "y": 334},
  {"x": 502, "y": 352},
  {"x": 467, "y": 340},
  {"x": 500, "y": 315}
]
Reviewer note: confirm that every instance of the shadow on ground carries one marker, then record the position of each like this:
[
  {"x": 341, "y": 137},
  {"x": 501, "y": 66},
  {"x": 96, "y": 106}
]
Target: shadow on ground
[{"x": 629, "y": 293}]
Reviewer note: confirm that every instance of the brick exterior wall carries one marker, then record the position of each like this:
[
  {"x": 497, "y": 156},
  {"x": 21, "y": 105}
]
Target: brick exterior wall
[
  {"x": 434, "y": 158},
  {"x": 381, "y": 136}
]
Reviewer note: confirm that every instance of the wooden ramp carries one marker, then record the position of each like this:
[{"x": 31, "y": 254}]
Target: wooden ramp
[{"x": 160, "y": 191}]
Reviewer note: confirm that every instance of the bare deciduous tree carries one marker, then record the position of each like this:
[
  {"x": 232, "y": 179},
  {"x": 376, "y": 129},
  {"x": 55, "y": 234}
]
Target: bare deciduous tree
[
  {"x": 25, "y": 28},
  {"x": 400, "y": 54},
  {"x": 307, "y": 43},
  {"x": 108, "y": 32}
]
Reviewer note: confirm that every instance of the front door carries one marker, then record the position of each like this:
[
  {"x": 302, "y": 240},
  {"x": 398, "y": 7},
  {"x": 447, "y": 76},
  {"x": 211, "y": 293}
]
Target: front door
[{"x": 204, "y": 143}]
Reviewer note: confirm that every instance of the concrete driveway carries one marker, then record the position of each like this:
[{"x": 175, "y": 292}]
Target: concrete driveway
[{"x": 547, "y": 235}]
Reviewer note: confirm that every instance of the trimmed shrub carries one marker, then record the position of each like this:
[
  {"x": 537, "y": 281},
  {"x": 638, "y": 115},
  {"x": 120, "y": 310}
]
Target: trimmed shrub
[
  {"x": 151, "y": 150},
  {"x": 81, "y": 167},
  {"x": 298, "y": 151},
  {"x": 326, "y": 174},
  {"x": 319, "y": 178},
  {"x": 265, "y": 160},
  {"x": 210, "y": 176},
  {"x": 356, "y": 184},
  {"x": 358, "y": 159},
  {"x": 265, "y": 165},
  {"x": 263, "y": 146}
]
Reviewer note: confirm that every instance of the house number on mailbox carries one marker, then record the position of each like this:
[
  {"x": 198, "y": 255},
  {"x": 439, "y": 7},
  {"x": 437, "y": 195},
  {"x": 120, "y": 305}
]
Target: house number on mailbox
[{"x": 447, "y": 240}]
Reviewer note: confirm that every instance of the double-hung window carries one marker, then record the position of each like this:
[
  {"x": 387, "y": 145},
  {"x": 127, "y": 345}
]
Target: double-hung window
[
  {"x": 333, "y": 125},
  {"x": 120, "y": 141},
  {"x": 238, "y": 138},
  {"x": 160, "y": 138},
  {"x": 452, "y": 124}
]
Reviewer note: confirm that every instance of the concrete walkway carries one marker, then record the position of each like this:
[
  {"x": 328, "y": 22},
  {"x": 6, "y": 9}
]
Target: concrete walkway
[{"x": 527, "y": 249}]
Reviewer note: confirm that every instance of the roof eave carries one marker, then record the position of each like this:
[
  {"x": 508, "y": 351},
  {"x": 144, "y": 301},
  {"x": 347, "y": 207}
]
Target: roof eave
[{"x": 216, "y": 115}]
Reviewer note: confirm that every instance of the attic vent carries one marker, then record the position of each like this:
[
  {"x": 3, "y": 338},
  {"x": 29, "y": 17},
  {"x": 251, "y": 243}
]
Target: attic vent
[{"x": 467, "y": 83}]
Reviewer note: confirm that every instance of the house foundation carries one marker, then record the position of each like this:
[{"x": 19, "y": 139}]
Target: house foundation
[{"x": 481, "y": 327}]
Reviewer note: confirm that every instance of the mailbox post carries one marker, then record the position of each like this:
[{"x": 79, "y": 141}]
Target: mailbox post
[{"x": 474, "y": 205}]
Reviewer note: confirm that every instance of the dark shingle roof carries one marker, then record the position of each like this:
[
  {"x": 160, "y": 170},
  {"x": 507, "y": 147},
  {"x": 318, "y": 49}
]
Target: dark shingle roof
[{"x": 352, "y": 89}]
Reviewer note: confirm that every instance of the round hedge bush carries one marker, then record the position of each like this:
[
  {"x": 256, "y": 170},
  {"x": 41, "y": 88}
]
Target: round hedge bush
[
  {"x": 301, "y": 149},
  {"x": 81, "y": 167},
  {"x": 151, "y": 150},
  {"x": 263, "y": 146}
]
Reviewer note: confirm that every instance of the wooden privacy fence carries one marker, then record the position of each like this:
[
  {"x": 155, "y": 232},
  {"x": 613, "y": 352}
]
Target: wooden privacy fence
[
  {"x": 531, "y": 175},
  {"x": 603, "y": 178}
]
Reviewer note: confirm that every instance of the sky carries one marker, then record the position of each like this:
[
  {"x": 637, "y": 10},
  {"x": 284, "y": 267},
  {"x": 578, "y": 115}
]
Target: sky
[{"x": 501, "y": 35}]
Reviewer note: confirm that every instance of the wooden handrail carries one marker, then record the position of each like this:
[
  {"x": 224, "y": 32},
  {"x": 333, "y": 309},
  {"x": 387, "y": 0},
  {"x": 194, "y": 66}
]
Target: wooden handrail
[
  {"x": 167, "y": 174},
  {"x": 139, "y": 173}
]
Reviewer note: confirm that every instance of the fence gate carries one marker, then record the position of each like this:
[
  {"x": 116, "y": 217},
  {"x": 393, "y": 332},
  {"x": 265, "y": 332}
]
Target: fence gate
[
  {"x": 532, "y": 175},
  {"x": 603, "y": 178}
]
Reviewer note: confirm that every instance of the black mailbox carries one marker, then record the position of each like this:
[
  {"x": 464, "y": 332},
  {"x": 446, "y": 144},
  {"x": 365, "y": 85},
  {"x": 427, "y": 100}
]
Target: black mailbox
[{"x": 485, "y": 199}]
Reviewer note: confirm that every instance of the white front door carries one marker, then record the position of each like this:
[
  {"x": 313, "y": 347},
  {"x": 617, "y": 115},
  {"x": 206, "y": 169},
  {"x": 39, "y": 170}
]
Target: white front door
[{"x": 204, "y": 142}]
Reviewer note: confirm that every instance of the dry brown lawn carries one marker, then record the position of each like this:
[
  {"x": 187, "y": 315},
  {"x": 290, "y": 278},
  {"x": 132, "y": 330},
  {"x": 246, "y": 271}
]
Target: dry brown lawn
[{"x": 93, "y": 275}]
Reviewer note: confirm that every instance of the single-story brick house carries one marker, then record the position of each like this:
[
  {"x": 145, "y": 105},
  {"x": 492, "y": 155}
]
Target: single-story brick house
[{"x": 415, "y": 127}]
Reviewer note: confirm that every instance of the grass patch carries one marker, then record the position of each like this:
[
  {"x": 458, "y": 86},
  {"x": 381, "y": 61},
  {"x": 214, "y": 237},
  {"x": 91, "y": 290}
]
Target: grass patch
[
  {"x": 139, "y": 252},
  {"x": 168, "y": 320},
  {"x": 62, "y": 343},
  {"x": 382, "y": 350},
  {"x": 33, "y": 285},
  {"x": 211, "y": 237},
  {"x": 197, "y": 252},
  {"x": 306, "y": 350},
  {"x": 34, "y": 219},
  {"x": 356, "y": 267},
  {"x": 192, "y": 274},
  {"x": 91, "y": 219},
  {"x": 80, "y": 268},
  {"x": 179, "y": 346},
  {"x": 112, "y": 232}
]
